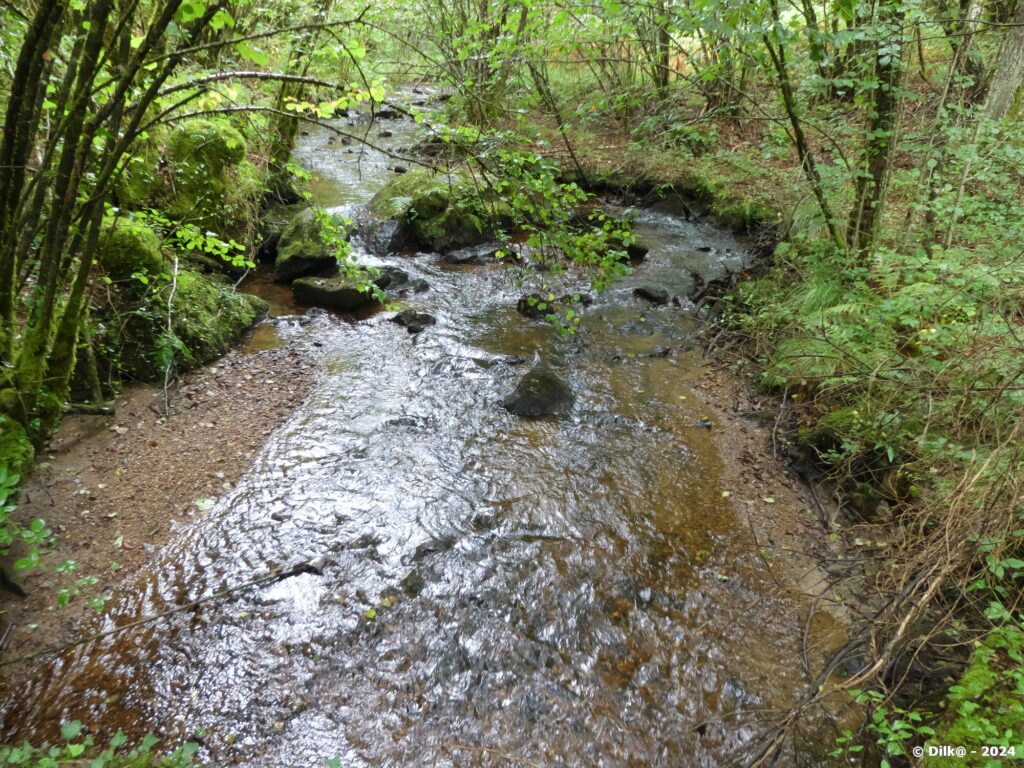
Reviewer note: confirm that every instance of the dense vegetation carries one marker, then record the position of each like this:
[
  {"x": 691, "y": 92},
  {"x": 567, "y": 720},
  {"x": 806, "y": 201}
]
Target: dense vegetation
[{"x": 872, "y": 150}]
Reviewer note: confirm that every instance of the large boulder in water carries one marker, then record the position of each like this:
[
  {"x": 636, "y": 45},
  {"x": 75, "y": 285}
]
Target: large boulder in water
[
  {"x": 540, "y": 393},
  {"x": 441, "y": 212},
  {"x": 340, "y": 293},
  {"x": 301, "y": 249}
]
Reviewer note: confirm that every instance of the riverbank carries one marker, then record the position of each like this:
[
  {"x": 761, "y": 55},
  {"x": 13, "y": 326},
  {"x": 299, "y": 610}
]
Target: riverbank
[
  {"x": 648, "y": 537},
  {"x": 894, "y": 379},
  {"x": 115, "y": 488}
]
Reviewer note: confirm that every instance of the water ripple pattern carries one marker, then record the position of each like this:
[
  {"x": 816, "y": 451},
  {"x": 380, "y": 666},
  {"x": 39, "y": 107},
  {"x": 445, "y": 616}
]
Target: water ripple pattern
[{"x": 483, "y": 590}]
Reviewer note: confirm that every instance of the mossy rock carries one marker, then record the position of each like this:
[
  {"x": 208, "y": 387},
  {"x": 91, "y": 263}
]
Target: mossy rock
[
  {"x": 742, "y": 215},
  {"x": 213, "y": 144},
  {"x": 16, "y": 450},
  {"x": 209, "y": 315},
  {"x": 214, "y": 185},
  {"x": 140, "y": 184},
  {"x": 127, "y": 247},
  {"x": 440, "y": 211},
  {"x": 339, "y": 293},
  {"x": 301, "y": 249},
  {"x": 986, "y": 706}
]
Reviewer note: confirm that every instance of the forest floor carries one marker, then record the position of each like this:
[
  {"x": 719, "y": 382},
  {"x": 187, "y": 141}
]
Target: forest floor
[{"x": 115, "y": 488}]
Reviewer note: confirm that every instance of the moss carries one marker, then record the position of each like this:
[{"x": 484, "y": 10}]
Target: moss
[
  {"x": 212, "y": 144},
  {"x": 213, "y": 183},
  {"x": 441, "y": 211},
  {"x": 16, "y": 451},
  {"x": 830, "y": 430},
  {"x": 301, "y": 249},
  {"x": 420, "y": 193},
  {"x": 741, "y": 214},
  {"x": 126, "y": 247},
  {"x": 140, "y": 183},
  {"x": 210, "y": 315},
  {"x": 986, "y": 706}
]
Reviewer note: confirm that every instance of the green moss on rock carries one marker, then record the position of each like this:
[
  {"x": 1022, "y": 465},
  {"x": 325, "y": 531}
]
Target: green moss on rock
[
  {"x": 140, "y": 183},
  {"x": 213, "y": 144},
  {"x": 340, "y": 293},
  {"x": 440, "y": 211},
  {"x": 986, "y": 706},
  {"x": 213, "y": 184},
  {"x": 209, "y": 316},
  {"x": 126, "y": 247},
  {"x": 301, "y": 249}
]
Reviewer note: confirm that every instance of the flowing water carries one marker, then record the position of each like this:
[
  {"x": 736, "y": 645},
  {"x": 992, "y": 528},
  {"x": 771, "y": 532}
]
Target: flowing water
[{"x": 482, "y": 590}]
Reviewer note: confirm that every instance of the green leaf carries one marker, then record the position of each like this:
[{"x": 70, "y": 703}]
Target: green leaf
[
  {"x": 71, "y": 730},
  {"x": 190, "y": 10},
  {"x": 255, "y": 55}
]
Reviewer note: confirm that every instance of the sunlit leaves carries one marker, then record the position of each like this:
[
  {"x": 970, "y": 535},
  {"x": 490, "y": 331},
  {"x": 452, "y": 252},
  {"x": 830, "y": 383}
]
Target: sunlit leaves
[{"x": 190, "y": 10}]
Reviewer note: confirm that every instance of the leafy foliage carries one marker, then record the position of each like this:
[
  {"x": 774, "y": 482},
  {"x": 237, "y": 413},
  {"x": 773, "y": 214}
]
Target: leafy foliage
[{"x": 79, "y": 750}]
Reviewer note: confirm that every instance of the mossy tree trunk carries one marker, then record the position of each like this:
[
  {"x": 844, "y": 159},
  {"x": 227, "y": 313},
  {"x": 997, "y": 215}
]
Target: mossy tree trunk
[
  {"x": 50, "y": 219},
  {"x": 880, "y": 137}
]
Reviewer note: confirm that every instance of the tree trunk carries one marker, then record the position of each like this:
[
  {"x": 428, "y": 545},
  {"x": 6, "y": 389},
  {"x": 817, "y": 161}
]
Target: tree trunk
[
  {"x": 803, "y": 150},
  {"x": 881, "y": 135},
  {"x": 1004, "y": 95}
]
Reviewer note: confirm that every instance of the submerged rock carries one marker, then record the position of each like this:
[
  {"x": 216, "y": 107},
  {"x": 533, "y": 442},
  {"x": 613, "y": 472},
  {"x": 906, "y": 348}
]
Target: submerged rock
[
  {"x": 474, "y": 254},
  {"x": 540, "y": 393},
  {"x": 301, "y": 250},
  {"x": 340, "y": 293},
  {"x": 652, "y": 294},
  {"x": 397, "y": 281},
  {"x": 412, "y": 321}
]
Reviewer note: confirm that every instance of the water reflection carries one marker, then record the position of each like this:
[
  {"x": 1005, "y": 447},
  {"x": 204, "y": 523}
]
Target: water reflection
[{"x": 481, "y": 590}]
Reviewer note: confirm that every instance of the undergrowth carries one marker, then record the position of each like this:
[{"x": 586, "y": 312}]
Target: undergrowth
[{"x": 84, "y": 752}]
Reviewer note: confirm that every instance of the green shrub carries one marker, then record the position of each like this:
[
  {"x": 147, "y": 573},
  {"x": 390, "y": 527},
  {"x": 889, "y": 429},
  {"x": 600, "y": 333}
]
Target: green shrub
[{"x": 78, "y": 751}]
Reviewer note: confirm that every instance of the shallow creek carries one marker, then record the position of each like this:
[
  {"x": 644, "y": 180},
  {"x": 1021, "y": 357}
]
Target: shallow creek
[{"x": 482, "y": 590}]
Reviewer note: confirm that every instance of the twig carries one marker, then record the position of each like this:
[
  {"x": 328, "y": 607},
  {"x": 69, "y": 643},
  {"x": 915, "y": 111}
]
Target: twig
[{"x": 170, "y": 333}]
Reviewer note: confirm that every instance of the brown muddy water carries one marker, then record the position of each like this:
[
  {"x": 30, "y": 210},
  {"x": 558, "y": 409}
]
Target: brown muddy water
[{"x": 482, "y": 590}]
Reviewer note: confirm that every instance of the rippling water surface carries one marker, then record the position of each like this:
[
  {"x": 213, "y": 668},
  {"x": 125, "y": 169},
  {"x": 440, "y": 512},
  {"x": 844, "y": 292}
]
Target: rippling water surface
[{"x": 485, "y": 590}]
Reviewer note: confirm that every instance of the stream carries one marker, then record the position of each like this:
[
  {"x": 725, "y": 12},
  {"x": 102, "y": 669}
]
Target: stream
[{"x": 476, "y": 589}]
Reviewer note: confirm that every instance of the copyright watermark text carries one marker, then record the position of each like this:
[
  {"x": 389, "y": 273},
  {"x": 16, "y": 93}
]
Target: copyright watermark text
[{"x": 950, "y": 750}]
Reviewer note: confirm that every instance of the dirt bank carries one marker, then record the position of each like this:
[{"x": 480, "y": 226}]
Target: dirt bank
[{"x": 114, "y": 488}]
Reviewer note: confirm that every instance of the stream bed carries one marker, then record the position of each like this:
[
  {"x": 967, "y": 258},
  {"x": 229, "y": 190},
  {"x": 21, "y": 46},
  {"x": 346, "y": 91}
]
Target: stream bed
[{"x": 467, "y": 588}]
